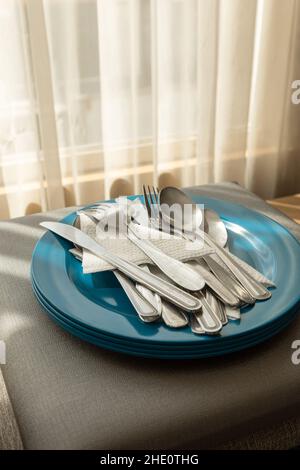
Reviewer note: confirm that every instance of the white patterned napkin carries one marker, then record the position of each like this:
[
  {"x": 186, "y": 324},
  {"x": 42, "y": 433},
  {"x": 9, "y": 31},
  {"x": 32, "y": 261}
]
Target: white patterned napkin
[{"x": 175, "y": 247}]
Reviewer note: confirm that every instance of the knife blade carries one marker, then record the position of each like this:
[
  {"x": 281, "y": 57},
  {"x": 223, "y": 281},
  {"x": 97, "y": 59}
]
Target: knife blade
[{"x": 179, "y": 272}]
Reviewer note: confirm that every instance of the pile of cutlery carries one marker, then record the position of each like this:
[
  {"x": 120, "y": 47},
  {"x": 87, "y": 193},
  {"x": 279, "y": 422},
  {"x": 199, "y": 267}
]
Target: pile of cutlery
[{"x": 204, "y": 293}]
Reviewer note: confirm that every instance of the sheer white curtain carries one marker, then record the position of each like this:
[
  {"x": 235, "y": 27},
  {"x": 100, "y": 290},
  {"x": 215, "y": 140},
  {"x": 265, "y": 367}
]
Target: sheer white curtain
[{"x": 98, "y": 97}]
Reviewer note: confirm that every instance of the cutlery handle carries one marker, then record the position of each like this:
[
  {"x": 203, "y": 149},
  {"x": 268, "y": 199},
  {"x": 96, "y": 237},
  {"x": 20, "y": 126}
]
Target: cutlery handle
[
  {"x": 207, "y": 318},
  {"x": 255, "y": 289},
  {"x": 231, "y": 282},
  {"x": 217, "y": 306},
  {"x": 215, "y": 284},
  {"x": 141, "y": 305},
  {"x": 259, "y": 277},
  {"x": 152, "y": 297},
  {"x": 172, "y": 316},
  {"x": 195, "y": 325},
  {"x": 232, "y": 313},
  {"x": 179, "y": 272}
]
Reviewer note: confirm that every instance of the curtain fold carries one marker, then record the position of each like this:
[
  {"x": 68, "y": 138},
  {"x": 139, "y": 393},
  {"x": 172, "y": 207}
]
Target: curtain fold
[
  {"x": 42, "y": 77},
  {"x": 234, "y": 76},
  {"x": 100, "y": 96},
  {"x": 21, "y": 173},
  {"x": 271, "y": 96}
]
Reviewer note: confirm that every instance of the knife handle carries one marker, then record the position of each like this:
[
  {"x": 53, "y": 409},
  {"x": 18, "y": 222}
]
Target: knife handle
[
  {"x": 207, "y": 318},
  {"x": 227, "y": 278},
  {"x": 215, "y": 284},
  {"x": 141, "y": 305},
  {"x": 172, "y": 316}
]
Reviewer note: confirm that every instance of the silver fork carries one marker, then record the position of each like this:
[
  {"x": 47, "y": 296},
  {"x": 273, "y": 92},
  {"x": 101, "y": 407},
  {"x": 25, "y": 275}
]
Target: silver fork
[
  {"x": 207, "y": 318},
  {"x": 152, "y": 207}
]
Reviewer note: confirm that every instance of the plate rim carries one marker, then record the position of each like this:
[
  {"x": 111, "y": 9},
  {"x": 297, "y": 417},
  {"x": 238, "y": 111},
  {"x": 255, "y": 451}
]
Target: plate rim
[{"x": 51, "y": 312}]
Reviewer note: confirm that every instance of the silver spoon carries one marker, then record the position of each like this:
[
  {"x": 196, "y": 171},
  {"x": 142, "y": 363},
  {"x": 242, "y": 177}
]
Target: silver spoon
[
  {"x": 215, "y": 227},
  {"x": 191, "y": 220}
]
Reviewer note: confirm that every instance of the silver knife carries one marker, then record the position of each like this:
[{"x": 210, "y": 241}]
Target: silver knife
[
  {"x": 144, "y": 309},
  {"x": 174, "y": 294},
  {"x": 179, "y": 272}
]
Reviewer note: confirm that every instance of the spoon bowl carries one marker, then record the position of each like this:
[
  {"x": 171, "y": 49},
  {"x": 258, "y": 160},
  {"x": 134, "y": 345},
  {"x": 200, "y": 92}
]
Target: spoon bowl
[
  {"x": 185, "y": 215},
  {"x": 215, "y": 227},
  {"x": 182, "y": 214}
]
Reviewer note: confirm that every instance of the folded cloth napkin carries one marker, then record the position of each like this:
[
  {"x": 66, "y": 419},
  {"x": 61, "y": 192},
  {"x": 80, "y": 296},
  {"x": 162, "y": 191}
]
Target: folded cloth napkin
[{"x": 174, "y": 246}]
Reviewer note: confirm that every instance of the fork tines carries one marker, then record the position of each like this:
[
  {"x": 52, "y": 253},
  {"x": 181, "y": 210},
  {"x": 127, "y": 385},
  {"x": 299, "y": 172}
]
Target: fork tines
[{"x": 151, "y": 201}]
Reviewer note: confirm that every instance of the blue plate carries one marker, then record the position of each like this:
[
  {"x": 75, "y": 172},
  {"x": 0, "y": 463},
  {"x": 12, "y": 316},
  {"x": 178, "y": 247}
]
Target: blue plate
[
  {"x": 156, "y": 351},
  {"x": 97, "y": 301},
  {"x": 84, "y": 333}
]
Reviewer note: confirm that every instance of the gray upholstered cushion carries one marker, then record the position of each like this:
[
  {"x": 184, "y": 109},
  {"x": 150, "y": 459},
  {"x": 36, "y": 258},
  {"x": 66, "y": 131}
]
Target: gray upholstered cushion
[
  {"x": 68, "y": 394},
  {"x": 10, "y": 438}
]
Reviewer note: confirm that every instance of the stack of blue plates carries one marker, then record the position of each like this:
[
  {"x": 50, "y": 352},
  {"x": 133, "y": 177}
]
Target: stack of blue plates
[{"x": 95, "y": 308}]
